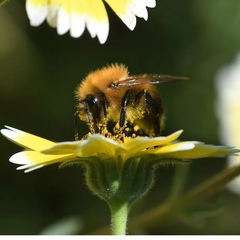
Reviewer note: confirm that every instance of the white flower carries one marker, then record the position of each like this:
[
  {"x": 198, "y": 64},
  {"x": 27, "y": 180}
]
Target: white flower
[
  {"x": 75, "y": 15},
  {"x": 228, "y": 112}
]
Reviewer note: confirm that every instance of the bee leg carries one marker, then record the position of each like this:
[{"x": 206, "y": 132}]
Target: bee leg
[
  {"x": 105, "y": 106},
  {"x": 156, "y": 110},
  {"x": 153, "y": 108},
  {"x": 124, "y": 104},
  {"x": 91, "y": 124},
  {"x": 103, "y": 127},
  {"x": 76, "y": 125}
]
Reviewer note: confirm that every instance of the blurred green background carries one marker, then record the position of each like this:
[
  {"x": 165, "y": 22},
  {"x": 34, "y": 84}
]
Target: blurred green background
[{"x": 39, "y": 72}]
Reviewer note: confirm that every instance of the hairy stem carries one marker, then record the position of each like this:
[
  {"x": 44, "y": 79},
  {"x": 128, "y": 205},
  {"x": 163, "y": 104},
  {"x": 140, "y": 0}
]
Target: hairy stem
[{"x": 119, "y": 211}]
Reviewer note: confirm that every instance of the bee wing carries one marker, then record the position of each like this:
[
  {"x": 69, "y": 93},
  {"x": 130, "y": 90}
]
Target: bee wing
[{"x": 145, "y": 79}]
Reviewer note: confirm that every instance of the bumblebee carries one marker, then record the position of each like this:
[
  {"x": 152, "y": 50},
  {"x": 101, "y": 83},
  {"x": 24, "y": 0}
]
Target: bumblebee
[{"x": 109, "y": 94}]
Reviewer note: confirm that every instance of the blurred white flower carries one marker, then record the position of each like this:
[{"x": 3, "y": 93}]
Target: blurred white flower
[
  {"x": 228, "y": 111},
  {"x": 75, "y": 15}
]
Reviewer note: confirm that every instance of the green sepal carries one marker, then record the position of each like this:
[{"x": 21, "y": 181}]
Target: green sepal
[
  {"x": 113, "y": 180},
  {"x": 119, "y": 180}
]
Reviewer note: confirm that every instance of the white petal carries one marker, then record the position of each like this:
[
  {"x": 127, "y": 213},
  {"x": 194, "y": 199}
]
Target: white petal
[
  {"x": 91, "y": 26},
  {"x": 52, "y": 15},
  {"x": 77, "y": 25},
  {"x": 103, "y": 29},
  {"x": 20, "y": 158},
  {"x": 63, "y": 21},
  {"x": 11, "y": 135},
  {"x": 129, "y": 19},
  {"x": 139, "y": 9},
  {"x": 98, "y": 28},
  {"x": 33, "y": 159},
  {"x": 185, "y": 146},
  {"x": 150, "y": 3},
  {"x": 36, "y": 14},
  {"x": 30, "y": 168}
]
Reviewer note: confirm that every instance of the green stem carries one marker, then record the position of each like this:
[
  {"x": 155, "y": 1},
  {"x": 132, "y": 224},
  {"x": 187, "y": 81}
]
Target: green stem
[
  {"x": 179, "y": 180},
  {"x": 119, "y": 211}
]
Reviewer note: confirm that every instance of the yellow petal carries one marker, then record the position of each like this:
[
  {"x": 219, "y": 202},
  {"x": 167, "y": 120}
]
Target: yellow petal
[
  {"x": 98, "y": 145},
  {"x": 63, "y": 148},
  {"x": 193, "y": 150},
  {"x": 38, "y": 2},
  {"x": 136, "y": 145},
  {"x": 26, "y": 140},
  {"x": 93, "y": 8},
  {"x": 95, "y": 145},
  {"x": 123, "y": 12}
]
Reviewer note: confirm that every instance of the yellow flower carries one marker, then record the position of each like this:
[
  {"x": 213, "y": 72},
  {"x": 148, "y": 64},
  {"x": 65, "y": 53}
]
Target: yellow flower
[
  {"x": 75, "y": 15},
  {"x": 118, "y": 173},
  {"x": 41, "y": 152}
]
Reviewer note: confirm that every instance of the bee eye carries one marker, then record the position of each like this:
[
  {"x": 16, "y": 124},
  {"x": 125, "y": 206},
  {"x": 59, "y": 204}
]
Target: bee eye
[
  {"x": 94, "y": 104},
  {"x": 92, "y": 101}
]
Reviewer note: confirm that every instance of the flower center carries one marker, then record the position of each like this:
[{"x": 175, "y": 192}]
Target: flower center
[{"x": 118, "y": 134}]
